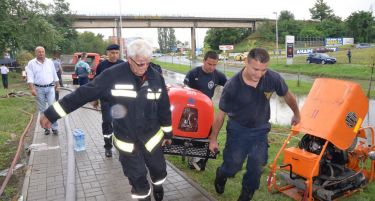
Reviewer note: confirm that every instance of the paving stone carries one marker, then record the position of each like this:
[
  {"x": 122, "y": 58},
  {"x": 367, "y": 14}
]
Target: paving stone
[{"x": 97, "y": 178}]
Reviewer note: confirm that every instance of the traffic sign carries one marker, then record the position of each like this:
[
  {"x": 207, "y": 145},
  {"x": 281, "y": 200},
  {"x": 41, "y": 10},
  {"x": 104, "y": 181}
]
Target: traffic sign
[{"x": 226, "y": 47}]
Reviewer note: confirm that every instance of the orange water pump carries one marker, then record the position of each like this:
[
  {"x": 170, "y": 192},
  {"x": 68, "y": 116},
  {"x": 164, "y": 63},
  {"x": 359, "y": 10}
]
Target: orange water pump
[
  {"x": 335, "y": 154},
  {"x": 192, "y": 118}
]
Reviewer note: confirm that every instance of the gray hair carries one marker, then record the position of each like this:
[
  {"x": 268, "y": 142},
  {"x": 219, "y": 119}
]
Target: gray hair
[
  {"x": 39, "y": 47},
  {"x": 140, "y": 47}
]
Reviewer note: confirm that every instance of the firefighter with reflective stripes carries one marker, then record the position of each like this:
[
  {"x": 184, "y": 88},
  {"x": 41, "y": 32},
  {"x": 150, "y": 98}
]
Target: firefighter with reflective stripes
[{"x": 141, "y": 117}]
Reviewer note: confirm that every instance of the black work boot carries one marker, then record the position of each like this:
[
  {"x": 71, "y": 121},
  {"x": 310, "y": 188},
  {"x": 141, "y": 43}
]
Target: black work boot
[
  {"x": 46, "y": 131},
  {"x": 246, "y": 195},
  {"x": 158, "y": 192},
  {"x": 108, "y": 153},
  {"x": 220, "y": 181}
]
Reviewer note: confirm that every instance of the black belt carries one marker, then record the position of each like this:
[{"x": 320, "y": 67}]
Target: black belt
[{"x": 47, "y": 85}]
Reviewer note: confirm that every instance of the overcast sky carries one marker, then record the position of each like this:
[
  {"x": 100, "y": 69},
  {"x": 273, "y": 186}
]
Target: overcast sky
[{"x": 207, "y": 8}]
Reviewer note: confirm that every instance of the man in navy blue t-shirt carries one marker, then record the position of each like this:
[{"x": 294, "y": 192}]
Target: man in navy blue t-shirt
[
  {"x": 204, "y": 78},
  {"x": 246, "y": 101}
]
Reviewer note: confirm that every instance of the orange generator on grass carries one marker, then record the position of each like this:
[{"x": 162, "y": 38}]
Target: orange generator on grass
[
  {"x": 192, "y": 118},
  {"x": 335, "y": 156}
]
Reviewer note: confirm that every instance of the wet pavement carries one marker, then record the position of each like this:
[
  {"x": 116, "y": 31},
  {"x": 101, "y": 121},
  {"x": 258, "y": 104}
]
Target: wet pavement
[{"x": 97, "y": 178}]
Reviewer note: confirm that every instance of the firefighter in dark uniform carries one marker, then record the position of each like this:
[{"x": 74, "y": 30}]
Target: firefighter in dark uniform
[
  {"x": 204, "y": 78},
  {"x": 113, "y": 58},
  {"x": 141, "y": 117}
]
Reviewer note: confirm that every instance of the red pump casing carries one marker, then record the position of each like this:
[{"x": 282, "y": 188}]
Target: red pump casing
[{"x": 192, "y": 112}]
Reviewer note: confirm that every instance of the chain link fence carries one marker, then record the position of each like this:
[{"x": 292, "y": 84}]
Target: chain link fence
[{"x": 308, "y": 41}]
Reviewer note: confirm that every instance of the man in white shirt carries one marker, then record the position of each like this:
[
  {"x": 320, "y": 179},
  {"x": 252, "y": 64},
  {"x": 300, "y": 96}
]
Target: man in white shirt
[
  {"x": 4, "y": 75},
  {"x": 43, "y": 81}
]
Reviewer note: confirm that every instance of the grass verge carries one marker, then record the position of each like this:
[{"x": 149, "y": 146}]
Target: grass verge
[
  {"x": 233, "y": 187},
  {"x": 13, "y": 122}
]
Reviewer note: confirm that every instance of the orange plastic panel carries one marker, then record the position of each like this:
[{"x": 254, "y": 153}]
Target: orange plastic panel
[
  {"x": 334, "y": 110},
  {"x": 302, "y": 161},
  {"x": 184, "y": 97}
]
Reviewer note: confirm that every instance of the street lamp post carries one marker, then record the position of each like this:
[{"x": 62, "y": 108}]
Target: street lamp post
[
  {"x": 121, "y": 43},
  {"x": 277, "y": 40}
]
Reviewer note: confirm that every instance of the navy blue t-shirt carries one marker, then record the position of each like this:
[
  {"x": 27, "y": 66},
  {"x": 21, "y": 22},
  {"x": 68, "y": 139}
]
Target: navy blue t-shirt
[
  {"x": 250, "y": 106},
  {"x": 204, "y": 82}
]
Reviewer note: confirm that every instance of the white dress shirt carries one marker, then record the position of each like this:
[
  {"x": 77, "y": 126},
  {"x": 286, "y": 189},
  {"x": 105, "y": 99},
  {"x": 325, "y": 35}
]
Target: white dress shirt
[
  {"x": 41, "y": 73},
  {"x": 4, "y": 69}
]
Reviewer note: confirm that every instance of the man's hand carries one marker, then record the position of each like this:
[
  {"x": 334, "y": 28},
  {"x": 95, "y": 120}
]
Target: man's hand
[
  {"x": 95, "y": 104},
  {"x": 295, "y": 120},
  {"x": 166, "y": 142},
  {"x": 213, "y": 146},
  {"x": 57, "y": 88},
  {"x": 44, "y": 122},
  {"x": 33, "y": 92}
]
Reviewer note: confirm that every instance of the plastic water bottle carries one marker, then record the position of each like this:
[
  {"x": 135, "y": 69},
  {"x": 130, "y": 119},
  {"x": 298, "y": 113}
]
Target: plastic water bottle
[{"x": 79, "y": 140}]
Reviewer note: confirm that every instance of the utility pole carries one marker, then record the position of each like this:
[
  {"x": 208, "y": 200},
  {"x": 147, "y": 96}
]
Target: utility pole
[
  {"x": 121, "y": 44},
  {"x": 277, "y": 40}
]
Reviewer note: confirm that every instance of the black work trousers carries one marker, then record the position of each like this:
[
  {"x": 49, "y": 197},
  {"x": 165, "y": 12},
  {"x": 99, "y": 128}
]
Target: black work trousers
[
  {"x": 134, "y": 167},
  {"x": 107, "y": 128}
]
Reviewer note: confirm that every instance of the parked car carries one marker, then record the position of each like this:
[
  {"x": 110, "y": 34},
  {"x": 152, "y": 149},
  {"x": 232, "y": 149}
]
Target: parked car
[
  {"x": 240, "y": 57},
  {"x": 320, "y": 58},
  {"x": 363, "y": 45}
]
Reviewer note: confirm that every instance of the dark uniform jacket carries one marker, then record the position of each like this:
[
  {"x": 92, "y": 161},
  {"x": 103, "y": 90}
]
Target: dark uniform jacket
[{"x": 139, "y": 107}]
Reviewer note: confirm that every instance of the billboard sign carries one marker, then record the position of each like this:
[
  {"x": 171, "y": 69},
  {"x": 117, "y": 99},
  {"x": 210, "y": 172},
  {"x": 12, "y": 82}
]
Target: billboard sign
[
  {"x": 226, "y": 47},
  {"x": 333, "y": 41},
  {"x": 289, "y": 50}
]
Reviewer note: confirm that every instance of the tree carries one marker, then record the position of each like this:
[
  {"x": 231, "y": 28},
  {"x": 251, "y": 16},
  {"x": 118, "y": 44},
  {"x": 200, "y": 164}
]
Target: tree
[
  {"x": 62, "y": 20},
  {"x": 332, "y": 27},
  {"x": 166, "y": 39},
  {"x": 12, "y": 12},
  {"x": 310, "y": 31},
  {"x": 26, "y": 24},
  {"x": 361, "y": 26},
  {"x": 320, "y": 11},
  {"x": 89, "y": 42},
  {"x": 286, "y": 15},
  {"x": 267, "y": 31},
  {"x": 220, "y": 36},
  {"x": 287, "y": 25}
]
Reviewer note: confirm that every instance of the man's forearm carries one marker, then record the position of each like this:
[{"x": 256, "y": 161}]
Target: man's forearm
[{"x": 218, "y": 123}]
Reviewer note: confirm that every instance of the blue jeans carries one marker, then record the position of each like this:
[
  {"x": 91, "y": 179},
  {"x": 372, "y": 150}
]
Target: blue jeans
[
  {"x": 45, "y": 96},
  {"x": 242, "y": 143}
]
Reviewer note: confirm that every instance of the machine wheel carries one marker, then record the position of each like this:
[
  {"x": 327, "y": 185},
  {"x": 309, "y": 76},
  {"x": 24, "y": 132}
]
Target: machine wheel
[
  {"x": 323, "y": 62},
  {"x": 308, "y": 61}
]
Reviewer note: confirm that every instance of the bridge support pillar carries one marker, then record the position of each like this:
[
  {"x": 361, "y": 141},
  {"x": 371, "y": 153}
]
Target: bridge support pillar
[{"x": 193, "y": 43}]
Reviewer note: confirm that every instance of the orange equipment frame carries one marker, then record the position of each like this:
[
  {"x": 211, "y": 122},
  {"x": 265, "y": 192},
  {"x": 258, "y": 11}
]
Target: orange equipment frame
[{"x": 334, "y": 111}]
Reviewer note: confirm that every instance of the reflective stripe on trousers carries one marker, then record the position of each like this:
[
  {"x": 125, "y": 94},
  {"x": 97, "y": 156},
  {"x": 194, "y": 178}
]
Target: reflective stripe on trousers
[
  {"x": 160, "y": 182},
  {"x": 129, "y": 147},
  {"x": 136, "y": 196}
]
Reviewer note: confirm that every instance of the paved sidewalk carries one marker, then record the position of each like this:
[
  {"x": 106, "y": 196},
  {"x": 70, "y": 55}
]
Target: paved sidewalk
[{"x": 97, "y": 178}]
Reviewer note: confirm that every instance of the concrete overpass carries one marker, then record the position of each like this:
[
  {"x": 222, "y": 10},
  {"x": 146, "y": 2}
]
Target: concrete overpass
[{"x": 86, "y": 22}]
